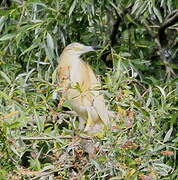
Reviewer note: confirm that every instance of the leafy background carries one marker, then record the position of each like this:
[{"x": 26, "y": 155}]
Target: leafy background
[{"x": 39, "y": 138}]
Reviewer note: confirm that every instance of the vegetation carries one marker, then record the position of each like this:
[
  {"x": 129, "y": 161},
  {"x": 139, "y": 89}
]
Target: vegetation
[{"x": 39, "y": 137}]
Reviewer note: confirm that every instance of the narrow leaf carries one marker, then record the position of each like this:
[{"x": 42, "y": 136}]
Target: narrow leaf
[
  {"x": 72, "y": 7},
  {"x": 5, "y": 77},
  {"x": 168, "y": 135},
  {"x": 29, "y": 49},
  {"x": 7, "y": 37},
  {"x": 54, "y": 76},
  {"x": 158, "y": 14},
  {"x": 2, "y": 21},
  {"x": 50, "y": 42},
  {"x": 162, "y": 91}
]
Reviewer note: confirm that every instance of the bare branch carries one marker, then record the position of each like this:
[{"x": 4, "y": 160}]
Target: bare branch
[
  {"x": 117, "y": 22},
  {"x": 114, "y": 28},
  {"x": 38, "y": 138},
  {"x": 44, "y": 174},
  {"x": 170, "y": 20},
  {"x": 161, "y": 49}
]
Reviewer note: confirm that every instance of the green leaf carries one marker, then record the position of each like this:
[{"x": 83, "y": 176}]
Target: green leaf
[
  {"x": 28, "y": 74},
  {"x": 168, "y": 135},
  {"x": 85, "y": 178},
  {"x": 38, "y": 3},
  {"x": 54, "y": 76},
  {"x": 5, "y": 96},
  {"x": 50, "y": 42},
  {"x": 2, "y": 21},
  {"x": 125, "y": 54},
  {"x": 169, "y": 4},
  {"x": 29, "y": 49},
  {"x": 8, "y": 36},
  {"x": 5, "y": 77},
  {"x": 49, "y": 54},
  {"x": 162, "y": 91},
  {"x": 35, "y": 164},
  {"x": 158, "y": 14},
  {"x": 72, "y": 7},
  {"x": 39, "y": 121}
]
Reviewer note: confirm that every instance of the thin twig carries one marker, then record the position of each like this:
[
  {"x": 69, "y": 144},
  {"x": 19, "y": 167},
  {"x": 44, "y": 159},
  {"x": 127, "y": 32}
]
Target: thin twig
[
  {"x": 49, "y": 172},
  {"x": 169, "y": 70},
  {"x": 165, "y": 144},
  {"x": 39, "y": 138},
  {"x": 170, "y": 20}
]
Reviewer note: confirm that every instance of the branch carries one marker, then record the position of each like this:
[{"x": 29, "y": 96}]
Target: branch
[
  {"x": 162, "y": 50},
  {"x": 114, "y": 31},
  {"x": 171, "y": 19},
  {"x": 6, "y": 3},
  {"x": 38, "y": 138},
  {"x": 117, "y": 22},
  {"x": 164, "y": 144},
  {"x": 44, "y": 174}
]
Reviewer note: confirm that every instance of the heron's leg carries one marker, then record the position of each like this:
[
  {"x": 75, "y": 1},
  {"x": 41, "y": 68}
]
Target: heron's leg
[
  {"x": 89, "y": 120},
  {"x": 81, "y": 123}
]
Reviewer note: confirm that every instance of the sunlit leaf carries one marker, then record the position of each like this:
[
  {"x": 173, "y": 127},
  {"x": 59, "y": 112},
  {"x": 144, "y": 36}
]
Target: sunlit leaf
[
  {"x": 162, "y": 91},
  {"x": 72, "y": 7},
  {"x": 7, "y": 37},
  {"x": 168, "y": 135},
  {"x": 50, "y": 42},
  {"x": 5, "y": 76},
  {"x": 158, "y": 14},
  {"x": 29, "y": 49}
]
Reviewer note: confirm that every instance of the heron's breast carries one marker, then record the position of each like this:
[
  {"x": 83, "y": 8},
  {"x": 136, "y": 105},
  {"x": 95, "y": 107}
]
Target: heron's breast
[{"x": 79, "y": 74}]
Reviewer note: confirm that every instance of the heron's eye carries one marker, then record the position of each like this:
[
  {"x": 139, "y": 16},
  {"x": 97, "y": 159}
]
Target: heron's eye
[{"x": 77, "y": 48}]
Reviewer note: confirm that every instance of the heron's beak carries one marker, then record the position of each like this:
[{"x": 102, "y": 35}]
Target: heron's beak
[
  {"x": 96, "y": 48},
  {"x": 86, "y": 49}
]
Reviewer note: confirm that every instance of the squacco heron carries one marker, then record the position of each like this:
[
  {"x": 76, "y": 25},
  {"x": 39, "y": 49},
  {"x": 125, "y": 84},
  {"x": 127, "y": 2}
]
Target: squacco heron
[{"x": 81, "y": 88}]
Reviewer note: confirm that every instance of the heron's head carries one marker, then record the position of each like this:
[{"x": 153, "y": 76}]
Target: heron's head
[{"x": 79, "y": 49}]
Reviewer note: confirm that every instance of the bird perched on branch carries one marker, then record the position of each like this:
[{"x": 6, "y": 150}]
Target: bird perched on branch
[{"x": 81, "y": 89}]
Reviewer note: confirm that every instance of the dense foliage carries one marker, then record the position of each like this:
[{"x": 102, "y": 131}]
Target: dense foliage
[{"x": 39, "y": 137}]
